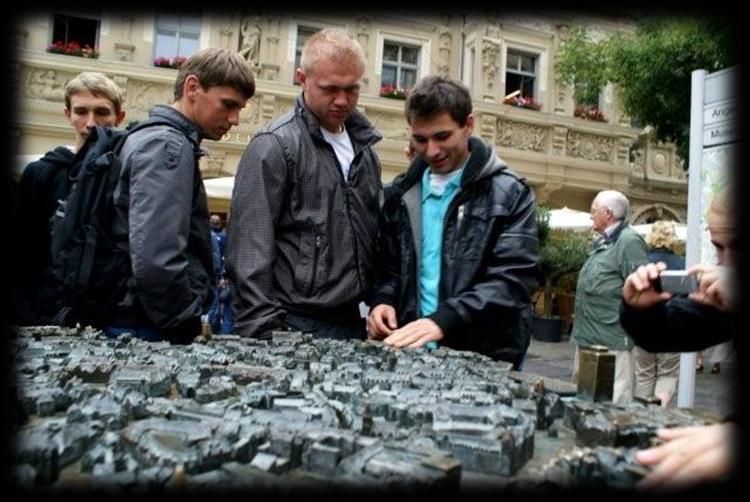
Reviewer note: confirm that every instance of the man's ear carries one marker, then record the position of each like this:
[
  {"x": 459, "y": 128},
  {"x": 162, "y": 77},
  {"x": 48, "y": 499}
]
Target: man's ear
[
  {"x": 470, "y": 123},
  {"x": 190, "y": 87},
  {"x": 119, "y": 116},
  {"x": 67, "y": 113},
  {"x": 299, "y": 74}
]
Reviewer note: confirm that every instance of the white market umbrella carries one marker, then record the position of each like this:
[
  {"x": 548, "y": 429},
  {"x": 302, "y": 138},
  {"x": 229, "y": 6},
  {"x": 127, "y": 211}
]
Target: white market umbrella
[
  {"x": 570, "y": 219},
  {"x": 219, "y": 188},
  {"x": 219, "y": 193}
]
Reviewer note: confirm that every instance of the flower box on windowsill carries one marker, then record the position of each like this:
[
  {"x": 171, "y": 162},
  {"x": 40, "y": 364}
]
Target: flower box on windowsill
[
  {"x": 174, "y": 63},
  {"x": 73, "y": 48},
  {"x": 522, "y": 102},
  {"x": 589, "y": 113},
  {"x": 393, "y": 92}
]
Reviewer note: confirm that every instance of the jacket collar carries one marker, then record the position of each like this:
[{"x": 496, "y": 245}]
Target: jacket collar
[
  {"x": 189, "y": 128},
  {"x": 604, "y": 241},
  {"x": 361, "y": 131},
  {"x": 482, "y": 163}
]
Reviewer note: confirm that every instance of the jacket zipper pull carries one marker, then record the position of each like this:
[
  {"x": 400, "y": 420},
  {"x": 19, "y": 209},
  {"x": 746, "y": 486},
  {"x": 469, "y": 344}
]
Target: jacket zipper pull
[{"x": 460, "y": 216}]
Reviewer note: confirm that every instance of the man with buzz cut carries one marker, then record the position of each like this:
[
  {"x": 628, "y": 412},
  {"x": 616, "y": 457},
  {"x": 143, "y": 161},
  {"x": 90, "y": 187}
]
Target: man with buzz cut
[
  {"x": 458, "y": 248},
  {"x": 304, "y": 209},
  {"x": 91, "y": 99}
]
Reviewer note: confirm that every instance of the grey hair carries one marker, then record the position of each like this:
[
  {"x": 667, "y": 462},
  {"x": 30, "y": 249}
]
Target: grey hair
[{"x": 615, "y": 202}]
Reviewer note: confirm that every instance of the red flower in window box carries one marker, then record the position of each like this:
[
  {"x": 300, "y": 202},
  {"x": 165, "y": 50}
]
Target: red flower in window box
[
  {"x": 175, "y": 63},
  {"x": 73, "y": 48},
  {"x": 522, "y": 102},
  {"x": 589, "y": 113},
  {"x": 393, "y": 92}
]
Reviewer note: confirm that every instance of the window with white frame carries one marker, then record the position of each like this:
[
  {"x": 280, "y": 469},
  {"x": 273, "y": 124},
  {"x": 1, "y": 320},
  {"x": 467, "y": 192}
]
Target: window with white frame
[
  {"x": 400, "y": 65},
  {"x": 303, "y": 33},
  {"x": 520, "y": 73},
  {"x": 177, "y": 36},
  {"x": 78, "y": 29}
]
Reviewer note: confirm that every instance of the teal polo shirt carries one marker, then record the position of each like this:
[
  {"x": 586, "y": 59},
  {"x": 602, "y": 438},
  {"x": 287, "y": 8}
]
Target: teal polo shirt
[{"x": 436, "y": 197}]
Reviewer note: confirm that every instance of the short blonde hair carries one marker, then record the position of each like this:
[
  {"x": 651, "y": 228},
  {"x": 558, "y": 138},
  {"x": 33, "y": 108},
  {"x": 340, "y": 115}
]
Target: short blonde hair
[
  {"x": 721, "y": 209},
  {"x": 333, "y": 45},
  {"x": 97, "y": 84},
  {"x": 662, "y": 235}
]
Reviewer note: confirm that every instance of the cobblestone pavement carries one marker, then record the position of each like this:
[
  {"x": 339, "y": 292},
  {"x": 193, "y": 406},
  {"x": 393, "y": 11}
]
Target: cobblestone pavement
[{"x": 714, "y": 393}]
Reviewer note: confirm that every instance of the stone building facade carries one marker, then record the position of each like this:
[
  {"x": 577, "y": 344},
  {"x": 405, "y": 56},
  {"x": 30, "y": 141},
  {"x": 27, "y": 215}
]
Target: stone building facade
[{"x": 565, "y": 158}]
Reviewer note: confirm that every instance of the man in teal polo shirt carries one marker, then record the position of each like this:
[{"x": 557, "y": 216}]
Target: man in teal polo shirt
[{"x": 458, "y": 244}]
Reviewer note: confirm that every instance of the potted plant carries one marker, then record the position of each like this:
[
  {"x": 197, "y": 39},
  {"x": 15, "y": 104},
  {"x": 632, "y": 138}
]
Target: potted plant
[{"x": 561, "y": 254}]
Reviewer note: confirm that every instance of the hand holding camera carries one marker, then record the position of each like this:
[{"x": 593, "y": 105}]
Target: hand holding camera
[{"x": 676, "y": 282}]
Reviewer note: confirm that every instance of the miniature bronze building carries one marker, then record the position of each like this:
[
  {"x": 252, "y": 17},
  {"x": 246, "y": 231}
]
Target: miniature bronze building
[{"x": 596, "y": 373}]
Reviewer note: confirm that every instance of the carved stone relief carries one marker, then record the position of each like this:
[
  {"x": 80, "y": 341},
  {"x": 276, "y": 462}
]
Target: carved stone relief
[
  {"x": 388, "y": 125},
  {"x": 251, "y": 114},
  {"x": 558, "y": 140},
  {"x": 124, "y": 52},
  {"x": 225, "y": 35},
  {"x": 215, "y": 163},
  {"x": 444, "y": 46},
  {"x": 144, "y": 95},
  {"x": 530, "y": 22},
  {"x": 659, "y": 162},
  {"x": 562, "y": 89},
  {"x": 250, "y": 36},
  {"x": 363, "y": 35},
  {"x": 678, "y": 167},
  {"x": 622, "y": 157},
  {"x": 487, "y": 127},
  {"x": 653, "y": 212},
  {"x": 267, "y": 107},
  {"x": 269, "y": 72},
  {"x": 46, "y": 84},
  {"x": 273, "y": 24},
  {"x": 637, "y": 161},
  {"x": 589, "y": 146},
  {"x": 444, "y": 56},
  {"x": 122, "y": 83},
  {"x": 490, "y": 53},
  {"x": 522, "y": 136}
]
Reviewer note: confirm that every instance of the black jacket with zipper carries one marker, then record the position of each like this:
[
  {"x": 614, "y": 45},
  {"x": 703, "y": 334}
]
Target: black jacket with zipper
[
  {"x": 44, "y": 185},
  {"x": 489, "y": 256},
  {"x": 301, "y": 238}
]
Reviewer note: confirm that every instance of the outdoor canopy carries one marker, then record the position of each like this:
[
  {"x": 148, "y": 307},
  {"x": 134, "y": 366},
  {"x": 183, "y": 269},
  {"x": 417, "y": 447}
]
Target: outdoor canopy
[{"x": 219, "y": 193}]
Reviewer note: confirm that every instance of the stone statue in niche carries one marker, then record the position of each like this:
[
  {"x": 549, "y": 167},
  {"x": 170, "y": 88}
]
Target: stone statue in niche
[{"x": 250, "y": 39}]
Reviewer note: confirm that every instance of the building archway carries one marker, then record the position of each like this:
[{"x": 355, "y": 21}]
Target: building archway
[{"x": 654, "y": 212}]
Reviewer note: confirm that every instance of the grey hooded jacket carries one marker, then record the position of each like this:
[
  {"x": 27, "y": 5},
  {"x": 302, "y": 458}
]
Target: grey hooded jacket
[
  {"x": 301, "y": 238},
  {"x": 488, "y": 263},
  {"x": 161, "y": 217}
]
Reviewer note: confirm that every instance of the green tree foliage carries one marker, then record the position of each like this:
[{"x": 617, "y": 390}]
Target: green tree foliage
[
  {"x": 561, "y": 252},
  {"x": 651, "y": 67}
]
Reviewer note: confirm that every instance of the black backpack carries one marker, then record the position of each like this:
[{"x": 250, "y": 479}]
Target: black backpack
[{"x": 90, "y": 271}]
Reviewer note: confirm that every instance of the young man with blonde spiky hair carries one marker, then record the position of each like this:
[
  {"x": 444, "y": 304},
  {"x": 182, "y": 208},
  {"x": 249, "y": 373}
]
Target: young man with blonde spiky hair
[{"x": 91, "y": 99}]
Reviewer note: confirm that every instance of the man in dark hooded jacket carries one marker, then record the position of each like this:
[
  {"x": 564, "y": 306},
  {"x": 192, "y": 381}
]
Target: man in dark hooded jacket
[
  {"x": 91, "y": 99},
  {"x": 458, "y": 246}
]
